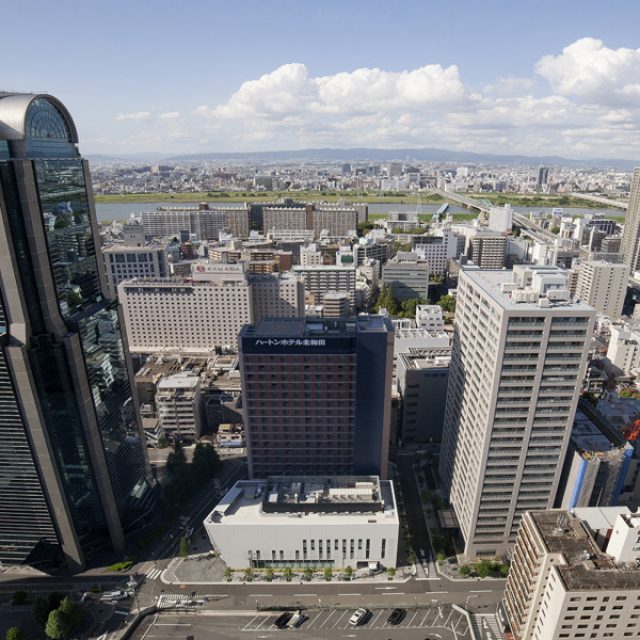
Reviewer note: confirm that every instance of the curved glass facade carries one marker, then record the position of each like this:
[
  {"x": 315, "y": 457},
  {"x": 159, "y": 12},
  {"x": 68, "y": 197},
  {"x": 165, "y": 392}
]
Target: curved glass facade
[{"x": 90, "y": 355}]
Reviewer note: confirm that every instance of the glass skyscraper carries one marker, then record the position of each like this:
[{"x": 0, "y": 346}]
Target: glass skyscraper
[{"x": 74, "y": 476}]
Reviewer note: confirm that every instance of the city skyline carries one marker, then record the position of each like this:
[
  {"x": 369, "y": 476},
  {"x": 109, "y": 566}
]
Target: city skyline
[{"x": 498, "y": 79}]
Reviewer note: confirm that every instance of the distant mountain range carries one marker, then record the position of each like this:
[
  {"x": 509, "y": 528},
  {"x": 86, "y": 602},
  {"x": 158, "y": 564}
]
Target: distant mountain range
[{"x": 364, "y": 154}]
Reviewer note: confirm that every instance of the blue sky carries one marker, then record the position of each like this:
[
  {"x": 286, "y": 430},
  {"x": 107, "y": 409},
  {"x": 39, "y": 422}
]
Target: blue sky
[{"x": 495, "y": 76}]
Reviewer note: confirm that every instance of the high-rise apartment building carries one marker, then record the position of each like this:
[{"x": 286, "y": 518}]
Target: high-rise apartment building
[
  {"x": 319, "y": 279},
  {"x": 437, "y": 250},
  {"x": 317, "y": 395},
  {"x": 519, "y": 355},
  {"x": 407, "y": 275},
  {"x": 631, "y": 234},
  {"x": 74, "y": 474},
  {"x": 205, "y": 222},
  {"x": 574, "y": 575},
  {"x": 603, "y": 285},
  {"x": 488, "y": 250}
]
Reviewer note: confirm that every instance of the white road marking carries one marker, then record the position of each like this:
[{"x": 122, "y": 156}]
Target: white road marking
[
  {"x": 482, "y": 591},
  {"x": 338, "y": 620},
  {"x": 250, "y": 623},
  {"x": 349, "y": 594},
  {"x": 327, "y": 618}
]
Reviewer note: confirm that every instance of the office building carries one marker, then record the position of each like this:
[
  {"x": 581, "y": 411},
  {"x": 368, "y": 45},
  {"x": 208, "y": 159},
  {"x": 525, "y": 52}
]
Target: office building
[
  {"x": 563, "y": 586},
  {"x": 320, "y": 279},
  {"x": 74, "y": 474},
  {"x": 631, "y": 233},
  {"x": 205, "y": 311},
  {"x": 519, "y": 356},
  {"x": 317, "y": 395},
  {"x": 437, "y": 250},
  {"x": 310, "y": 522},
  {"x": 603, "y": 285},
  {"x": 408, "y": 276},
  {"x": 179, "y": 406},
  {"x": 422, "y": 377},
  {"x": 124, "y": 262},
  {"x": 542, "y": 179}
]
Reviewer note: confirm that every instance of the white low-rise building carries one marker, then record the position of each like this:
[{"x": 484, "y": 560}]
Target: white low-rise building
[{"x": 307, "y": 521}]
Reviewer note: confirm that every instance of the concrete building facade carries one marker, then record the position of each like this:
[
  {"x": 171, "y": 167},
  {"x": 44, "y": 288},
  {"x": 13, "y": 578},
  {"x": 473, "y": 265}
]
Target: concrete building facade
[
  {"x": 631, "y": 233},
  {"x": 197, "y": 314},
  {"x": 408, "y": 276},
  {"x": 320, "y": 279},
  {"x": 122, "y": 262},
  {"x": 519, "y": 355},
  {"x": 437, "y": 250},
  {"x": 603, "y": 285},
  {"x": 179, "y": 406},
  {"x": 307, "y": 522},
  {"x": 562, "y": 585}
]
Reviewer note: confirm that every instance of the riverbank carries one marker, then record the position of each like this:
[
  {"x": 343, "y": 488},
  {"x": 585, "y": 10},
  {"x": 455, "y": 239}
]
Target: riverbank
[{"x": 515, "y": 199}]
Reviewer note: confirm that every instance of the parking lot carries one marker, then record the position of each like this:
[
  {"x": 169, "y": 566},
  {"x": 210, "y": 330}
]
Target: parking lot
[{"x": 435, "y": 623}]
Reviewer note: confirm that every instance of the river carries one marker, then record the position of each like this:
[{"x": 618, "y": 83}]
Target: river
[{"x": 122, "y": 211}]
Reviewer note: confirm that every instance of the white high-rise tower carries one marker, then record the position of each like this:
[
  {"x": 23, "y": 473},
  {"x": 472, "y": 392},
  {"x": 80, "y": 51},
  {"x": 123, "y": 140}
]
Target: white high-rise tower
[{"x": 519, "y": 355}]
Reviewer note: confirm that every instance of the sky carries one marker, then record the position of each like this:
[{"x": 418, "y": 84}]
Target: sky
[{"x": 555, "y": 77}]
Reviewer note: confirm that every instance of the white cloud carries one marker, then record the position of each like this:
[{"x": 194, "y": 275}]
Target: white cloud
[
  {"x": 582, "y": 101},
  {"x": 136, "y": 115},
  {"x": 590, "y": 70}
]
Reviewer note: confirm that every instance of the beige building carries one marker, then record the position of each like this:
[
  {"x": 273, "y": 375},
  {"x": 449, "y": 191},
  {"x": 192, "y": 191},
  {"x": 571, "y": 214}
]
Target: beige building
[
  {"x": 278, "y": 295},
  {"x": 179, "y": 405},
  {"x": 321, "y": 279},
  {"x": 488, "y": 250},
  {"x": 338, "y": 221},
  {"x": 603, "y": 285},
  {"x": 286, "y": 218},
  {"x": 519, "y": 355},
  {"x": 563, "y": 586},
  {"x": 208, "y": 310}
]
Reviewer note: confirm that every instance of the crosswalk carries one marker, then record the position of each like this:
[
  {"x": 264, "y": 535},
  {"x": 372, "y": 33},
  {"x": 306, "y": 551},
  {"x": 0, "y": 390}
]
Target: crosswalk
[{"x": 153, "y": 573}]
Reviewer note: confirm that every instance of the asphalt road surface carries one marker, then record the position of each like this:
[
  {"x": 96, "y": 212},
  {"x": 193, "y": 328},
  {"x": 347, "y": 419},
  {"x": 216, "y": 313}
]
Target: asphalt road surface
[{"x": 437, "y": 623}]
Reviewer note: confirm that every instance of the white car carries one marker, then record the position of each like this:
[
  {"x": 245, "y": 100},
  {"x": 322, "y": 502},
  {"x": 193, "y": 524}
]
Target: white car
[
  {"x": 296, "y": 620},
  {"x": 358, "y": 617}
]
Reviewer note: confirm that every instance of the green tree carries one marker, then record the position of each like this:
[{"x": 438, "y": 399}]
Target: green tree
[
  {"x": 71, "y": 611},
  {"x": 555, "y": 229},
  {"x": 411, "y": 556},
  {"x": 464, "y": 570},
  {"x": 268, "y": 574},
  {"x": 308, "y": 574},
  {"x": 386, "y": 300},
  {"x": 43, "y": 605},
  {"x": 184, "y": 547},
  {"x": 483, "y": 568},
  {"x": 448, "y": 303},
  {"x": 288, "y": 574},
  {"x": 504, "y": 570},
  {"x": 347, "y": 572},
  {"x": 391, "y": 573},
  {"x": 14, "y": 633},
  {"x": 328, "y": 574},
  {"x": 248, "y": 574},
  {"x": 364, "y": 227},
  {"x": 19, "y": 597},
  {"x": 440, "y": 557},
  {"x": 205, "y": 462},
  {"x": 57, "y": 626},
  {"x": 228, "y": 574},
  {"x": 408, "y": 307},
  {"x": 176, "y": 460}
]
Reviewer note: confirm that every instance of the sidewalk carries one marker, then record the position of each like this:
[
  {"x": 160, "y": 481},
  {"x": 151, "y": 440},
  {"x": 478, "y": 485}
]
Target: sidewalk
[{"x": 204, "y": 569}]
